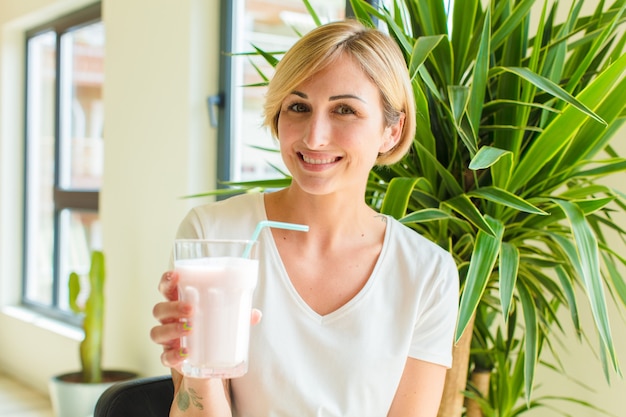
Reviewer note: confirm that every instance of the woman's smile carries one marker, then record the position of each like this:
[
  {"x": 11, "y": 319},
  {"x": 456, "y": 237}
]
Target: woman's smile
[{"x": 318, "y": 160}]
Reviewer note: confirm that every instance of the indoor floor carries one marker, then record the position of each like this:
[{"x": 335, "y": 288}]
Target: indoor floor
[{"x": 18, "y": 400}]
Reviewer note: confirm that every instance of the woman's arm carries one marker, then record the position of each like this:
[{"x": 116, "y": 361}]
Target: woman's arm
[
  {"x": 199, "y": 397},
  {"x": 192, "y": 396},
  {"x": 420, "y": 390}
]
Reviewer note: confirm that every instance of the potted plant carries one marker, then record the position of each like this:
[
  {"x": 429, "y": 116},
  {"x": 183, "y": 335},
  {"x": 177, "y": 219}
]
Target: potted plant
[
  {"x": 75, "y": 394},
  {"x": 506, "y": 172}
]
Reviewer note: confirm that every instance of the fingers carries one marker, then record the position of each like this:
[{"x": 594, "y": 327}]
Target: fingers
[
  {"x": 168, "y": 311},
  {"x": 170, "y": 333},
  {"x": 174, "y": 318},
  {"x": 173, "y": 356},
  {"x": 168, "y": 285}
]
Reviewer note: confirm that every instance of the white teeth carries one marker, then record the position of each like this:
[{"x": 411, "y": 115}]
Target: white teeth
[{"x": 318, "y": 161}]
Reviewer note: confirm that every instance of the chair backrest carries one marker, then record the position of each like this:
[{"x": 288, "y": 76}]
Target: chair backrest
[{"x": 143, "y": 397}]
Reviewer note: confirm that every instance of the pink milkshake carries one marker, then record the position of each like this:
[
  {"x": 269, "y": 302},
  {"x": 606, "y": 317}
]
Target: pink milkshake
[{"x": 220, "y": 289}]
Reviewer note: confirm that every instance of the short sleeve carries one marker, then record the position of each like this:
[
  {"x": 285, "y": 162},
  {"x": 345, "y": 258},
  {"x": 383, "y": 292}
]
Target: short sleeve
[{"x": 436, "y": 322}]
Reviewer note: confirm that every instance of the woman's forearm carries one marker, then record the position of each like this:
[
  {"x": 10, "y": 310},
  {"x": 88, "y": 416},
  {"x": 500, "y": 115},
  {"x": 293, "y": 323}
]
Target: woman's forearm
[{"x": 199, "y": 397}]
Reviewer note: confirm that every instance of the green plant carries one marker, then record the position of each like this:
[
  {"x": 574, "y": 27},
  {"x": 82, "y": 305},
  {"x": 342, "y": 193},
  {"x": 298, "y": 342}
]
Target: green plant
[
  {"x": 513, "y": 142},
  {"x": 93, "y": 310}
]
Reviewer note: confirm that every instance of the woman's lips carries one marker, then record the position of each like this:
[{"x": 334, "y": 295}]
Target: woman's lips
[{"x": 319, "y": 161}]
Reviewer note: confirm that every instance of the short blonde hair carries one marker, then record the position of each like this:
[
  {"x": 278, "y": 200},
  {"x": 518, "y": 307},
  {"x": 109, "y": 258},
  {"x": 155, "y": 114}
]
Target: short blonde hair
[{"x": 378, "y": 55}]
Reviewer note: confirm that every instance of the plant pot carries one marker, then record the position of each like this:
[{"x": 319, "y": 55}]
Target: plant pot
[{"x": 72, "y": 398}]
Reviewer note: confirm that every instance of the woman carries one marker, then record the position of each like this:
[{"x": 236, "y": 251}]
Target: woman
[{"x": 358, "y": 313}]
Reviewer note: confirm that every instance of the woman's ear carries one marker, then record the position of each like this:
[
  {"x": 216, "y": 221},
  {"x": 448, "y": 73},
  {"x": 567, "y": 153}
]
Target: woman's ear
[{"x": 392, "y": 135}]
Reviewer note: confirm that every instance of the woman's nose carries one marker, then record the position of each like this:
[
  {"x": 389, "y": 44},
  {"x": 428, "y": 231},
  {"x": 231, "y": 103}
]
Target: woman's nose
[{"x": 317, "y": 134}]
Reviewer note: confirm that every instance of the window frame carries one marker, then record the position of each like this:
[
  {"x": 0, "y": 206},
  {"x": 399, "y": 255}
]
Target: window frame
[{"x": 74, "y": 199}]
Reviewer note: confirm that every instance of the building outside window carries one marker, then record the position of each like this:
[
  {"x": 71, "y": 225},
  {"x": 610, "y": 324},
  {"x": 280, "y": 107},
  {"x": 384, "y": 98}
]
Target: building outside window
[{"x": 63, "y": 155}]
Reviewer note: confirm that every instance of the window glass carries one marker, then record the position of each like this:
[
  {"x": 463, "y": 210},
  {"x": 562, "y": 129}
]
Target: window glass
[
  {"x": 271, "y": 26},
  {"x": 80, "y": 233},
  {"x": 41, "y": 81},
  {"x": 82, "y": 112},
  {"x": 64, "y": 155}
]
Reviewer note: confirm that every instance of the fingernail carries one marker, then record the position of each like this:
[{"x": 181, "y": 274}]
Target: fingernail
[
  {"x": 186, "y": 326},
  {"x": 183, "y": 353}
]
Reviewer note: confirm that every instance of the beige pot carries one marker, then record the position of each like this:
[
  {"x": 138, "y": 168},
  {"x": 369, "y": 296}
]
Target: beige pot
[{"x": 72, "y": 398}]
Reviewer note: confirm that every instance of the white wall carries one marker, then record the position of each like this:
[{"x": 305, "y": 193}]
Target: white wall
[{"x": 161, "y": 63}]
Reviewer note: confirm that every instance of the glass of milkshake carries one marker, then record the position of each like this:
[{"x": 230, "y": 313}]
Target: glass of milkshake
[{"x": 218, "y": 278}]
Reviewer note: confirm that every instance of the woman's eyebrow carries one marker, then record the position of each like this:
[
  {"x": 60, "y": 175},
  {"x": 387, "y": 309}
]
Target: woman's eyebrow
[
  {"x": 344, "y": 96},
  {"x": 299, "y": 94},
  {"x": 331, "y": 98}
]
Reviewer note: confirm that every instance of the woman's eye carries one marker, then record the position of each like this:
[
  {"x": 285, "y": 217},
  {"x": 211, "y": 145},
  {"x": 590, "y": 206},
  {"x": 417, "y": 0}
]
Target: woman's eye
[
  {"x": 344, "y": 110},
  {"x": 298, "y": 107}
]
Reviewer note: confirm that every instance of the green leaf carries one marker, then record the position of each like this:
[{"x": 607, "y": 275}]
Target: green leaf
[
  {"x": 605, "y": 169},
  {"x": 396, "y": 198},
  {"x": 587, "y": 259},
  {"x": 616, "y": 277},
  {"x": 448, "y": 181},
  {"x": 509, "y": 267},
  {"x": 531, "y": 344},
  {"x": 426, "y": 215},
  {"x": 312, "y": 12},
  {"x": 520, "y": 12},
  {"x": 592, "y": 137},
  {"x": 592, "y": 205},
  {"x": 421, "y": 49},
  {"x": 505, "y": 198},
  {"x": 462, "y": 31},
  {"x": 558, "y": 134},
  {"x": 268, "y": 56},
  {"x": 570, "y": 294},
  {"x": 459, "y": 98},
  {"x": 548, "y": 86},
  {"x": 362, "y": 15},
  {"x": 480, "y": 75},
  {"x": 486, "y": 157},
  {"x": 588, "y": 57},
  {"x": 483, "y": 260},
  {"x": 465, "y": 208}
]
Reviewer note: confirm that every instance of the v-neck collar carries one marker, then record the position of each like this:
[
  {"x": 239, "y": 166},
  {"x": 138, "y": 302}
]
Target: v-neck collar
[{"x": 272, "y": 250}]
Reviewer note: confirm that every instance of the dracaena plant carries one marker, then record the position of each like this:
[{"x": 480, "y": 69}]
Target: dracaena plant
[{"x": 514, "y": 130}]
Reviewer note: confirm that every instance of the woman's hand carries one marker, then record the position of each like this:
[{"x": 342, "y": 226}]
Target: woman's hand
[{"x": 173, "y": 316}]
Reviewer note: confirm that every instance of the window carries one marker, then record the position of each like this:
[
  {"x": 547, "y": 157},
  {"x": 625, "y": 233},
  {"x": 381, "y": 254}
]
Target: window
[
  {"x": 63, "y": 155},
  {"x": 271, "y": 25}
]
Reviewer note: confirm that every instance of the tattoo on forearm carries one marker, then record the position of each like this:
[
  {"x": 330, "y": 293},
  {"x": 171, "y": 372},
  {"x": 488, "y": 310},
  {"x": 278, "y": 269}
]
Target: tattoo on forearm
[{"x": 186, "y": 397}]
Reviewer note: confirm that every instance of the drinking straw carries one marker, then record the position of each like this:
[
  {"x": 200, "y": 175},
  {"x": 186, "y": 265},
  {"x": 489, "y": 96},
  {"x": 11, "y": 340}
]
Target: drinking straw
[{"x": 270, "y": 223}]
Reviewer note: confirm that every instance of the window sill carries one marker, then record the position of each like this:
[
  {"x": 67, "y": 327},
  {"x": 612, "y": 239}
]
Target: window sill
[{"x": 36, "y": 319}]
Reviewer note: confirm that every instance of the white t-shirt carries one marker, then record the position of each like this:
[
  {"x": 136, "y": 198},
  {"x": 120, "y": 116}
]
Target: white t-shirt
[{"x": 347, "y": 363}]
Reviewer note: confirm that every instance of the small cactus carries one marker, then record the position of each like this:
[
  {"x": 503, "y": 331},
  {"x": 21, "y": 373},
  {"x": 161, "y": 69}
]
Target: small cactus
[{"x": 93, "y": 310}]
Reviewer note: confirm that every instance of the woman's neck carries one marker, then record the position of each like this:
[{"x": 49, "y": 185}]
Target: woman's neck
[{"x": 332, "y": 218}]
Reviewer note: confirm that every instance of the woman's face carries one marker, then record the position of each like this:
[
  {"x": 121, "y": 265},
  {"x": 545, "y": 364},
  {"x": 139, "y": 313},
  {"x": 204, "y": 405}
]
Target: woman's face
[{"x": 331, "y": 129}]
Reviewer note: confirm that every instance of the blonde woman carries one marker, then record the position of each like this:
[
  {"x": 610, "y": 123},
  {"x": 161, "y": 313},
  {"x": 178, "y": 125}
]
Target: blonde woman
[{"x": 358, "y": 313}]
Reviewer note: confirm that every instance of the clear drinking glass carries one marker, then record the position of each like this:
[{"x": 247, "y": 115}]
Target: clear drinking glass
[{"x": 218, "y": 277}]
